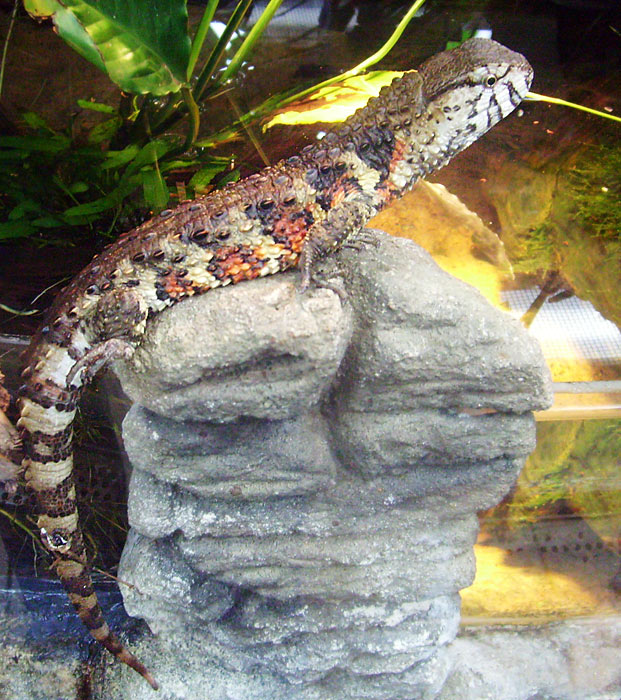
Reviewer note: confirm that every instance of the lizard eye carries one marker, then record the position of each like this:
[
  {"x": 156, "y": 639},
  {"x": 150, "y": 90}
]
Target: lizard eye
[{"x": 490, "y": 80}]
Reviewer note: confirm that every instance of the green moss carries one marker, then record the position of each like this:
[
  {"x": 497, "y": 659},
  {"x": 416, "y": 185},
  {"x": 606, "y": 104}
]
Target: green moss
[
  {"x": 595, "y": 185},
  {"x": 575, "y": 463},
  {"x": 538, "y": 250}
]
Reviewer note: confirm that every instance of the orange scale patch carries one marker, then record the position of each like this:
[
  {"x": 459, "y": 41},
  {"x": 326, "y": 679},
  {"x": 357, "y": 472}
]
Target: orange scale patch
[
  {"x": 176, "y": 286},
  {"x": 397, "y": 155},
  {"x": 294, "y": 231}
]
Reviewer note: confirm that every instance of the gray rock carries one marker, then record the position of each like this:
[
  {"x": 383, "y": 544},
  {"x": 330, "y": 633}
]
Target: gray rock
[
  {"x": 272, "y": 352},
  {"x": 425, "y": 339},
  {"x": 306, "y": 478},
  {"x": 249, "y": 459},
  {"x": 569, "y": 660}
]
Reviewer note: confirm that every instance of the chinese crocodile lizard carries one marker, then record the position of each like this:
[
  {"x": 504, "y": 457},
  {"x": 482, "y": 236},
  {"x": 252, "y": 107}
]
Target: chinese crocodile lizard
[{"x": 288, "y": 215}]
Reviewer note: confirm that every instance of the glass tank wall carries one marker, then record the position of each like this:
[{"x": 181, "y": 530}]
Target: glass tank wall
[{"x": 530, "y": 215}]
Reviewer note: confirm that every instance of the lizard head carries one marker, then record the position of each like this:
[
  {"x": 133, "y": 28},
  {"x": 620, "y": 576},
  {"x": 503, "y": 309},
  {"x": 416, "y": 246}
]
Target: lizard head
[
  {"x": 467, "y": 90},
  {"x": 478, "y": 65}
]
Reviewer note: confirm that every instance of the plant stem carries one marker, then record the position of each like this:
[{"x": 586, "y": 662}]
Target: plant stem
[
  {"x": 248, "y": 129},
  {"x": 199, "y": 37},
  {"x": 250, "y": 40},
  {"x": 18, "y": 523},
  {"x": 370, "y": 61},
  {"x": 6, "y": 44},
  {"x": 218, "y": 51},
  {"x": 194, "y": 118},
  {"x": 10, "y": 310},
  {"x": 535, "y": 97}
]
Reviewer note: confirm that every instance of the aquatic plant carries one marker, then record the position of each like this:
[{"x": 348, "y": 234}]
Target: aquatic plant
[
  {"x": 596, "y": 189},
  {"x": 53, "y": 183},
  {"x": 50, "y": 181}
]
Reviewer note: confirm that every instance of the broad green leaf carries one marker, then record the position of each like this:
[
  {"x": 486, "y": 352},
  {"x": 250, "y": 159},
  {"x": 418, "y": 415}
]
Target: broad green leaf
[
  {"x": 68, "y": 27},
  {"x": 154, "y": 188},
  {"x": 178, "y": 165},
  {"x": 150, "y": 153},
  {"x": 35, "y": 121},
  {"x": 40, "y": 8},
  {"x": 105, "y": 131},
  {"x": 68, "y": 189},
  {"x": 48, "y": 222},
  {"x": 114, "y": 159},
  {"x": 233, "y": 176},
  {"x": 35, "y": 143},
  {"x": 144, "y": 45},
  {"x": 204, "y": 176},
  {"x": 109, "y": 201},
  {"x": 78, "y": 187},
  {"x": 28, "y": 205},
  {"x": 97, "y": 106},
  {"x": 76, "y": 35},
  {"x": 16, "y": 229},
  {"x": 90, "y": 208}
]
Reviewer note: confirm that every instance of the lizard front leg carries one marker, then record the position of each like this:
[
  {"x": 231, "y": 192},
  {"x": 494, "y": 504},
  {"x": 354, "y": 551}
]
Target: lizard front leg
[
  {"x": 118, "y": 323},
  {"x": 330, "y": 234}
]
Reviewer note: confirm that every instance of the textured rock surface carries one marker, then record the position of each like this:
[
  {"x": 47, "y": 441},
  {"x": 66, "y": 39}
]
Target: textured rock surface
[
  {"x": 271, "y": 353},
  {"x": 307, "y": 473},
  {"x": 571, "y": 660}
]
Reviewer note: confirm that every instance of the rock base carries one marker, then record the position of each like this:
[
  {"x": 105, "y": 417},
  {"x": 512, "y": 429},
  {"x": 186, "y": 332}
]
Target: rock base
[{"x": 307, "y": 473}]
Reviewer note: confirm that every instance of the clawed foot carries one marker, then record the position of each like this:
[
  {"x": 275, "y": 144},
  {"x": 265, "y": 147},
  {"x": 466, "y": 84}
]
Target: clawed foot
[
  {"x": 366, "y": 236},
  {"x": 335, "y": 286},
  {"x": 100, "y": 356},
  {"x": 310, "y": 274}
]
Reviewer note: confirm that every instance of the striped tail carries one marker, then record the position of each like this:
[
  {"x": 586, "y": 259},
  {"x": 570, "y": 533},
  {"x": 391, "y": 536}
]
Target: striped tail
[
  {"x": 47, "y": 410},
  {"x": 76, "y": 580}
]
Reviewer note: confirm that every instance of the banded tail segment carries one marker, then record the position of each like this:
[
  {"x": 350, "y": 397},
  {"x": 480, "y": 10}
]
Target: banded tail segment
[{"x": 47, "y": 408}]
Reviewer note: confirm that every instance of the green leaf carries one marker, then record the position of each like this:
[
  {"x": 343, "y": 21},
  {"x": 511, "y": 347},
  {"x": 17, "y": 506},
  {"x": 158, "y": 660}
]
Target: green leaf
[
  {"x": 150, "y": 153},
  {"x": 78, "y": 187},
  {"x": 219, "y": 49},
  {"x": 250, "y": 40},
  {"x": 109, "y": 201},
  {"x": 16, "y": 229},
  {"x": 233, "y": 176},
  {"x": 144, "y": 46},
  {"x": 68, "y": 27},
  {"x": 48, "y": 222},
  {"x": 36, "y": 121},
  {"x": 75, "y": 34},
  {"x": 178, "y": 165},
  {"x": 97, "y": 106},
  {"x": 36, "y": 143},
  {"x": 105, "y": 131},
  {"x": 28, "y": 205},
  {"x": 40, "y": 8},
  {"x": 154, "y": 188},
  {"x": 201, "y": 34},
  {"x": 204, "y": 176},
  {"x": 115, "y": 159}
]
